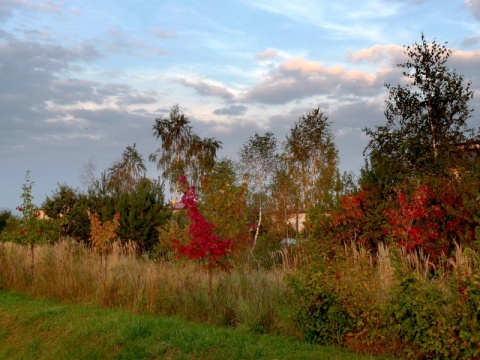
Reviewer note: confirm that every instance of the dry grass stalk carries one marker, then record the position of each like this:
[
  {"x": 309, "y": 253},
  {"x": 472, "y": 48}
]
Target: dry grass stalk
[{"x": 71, "y": 272}]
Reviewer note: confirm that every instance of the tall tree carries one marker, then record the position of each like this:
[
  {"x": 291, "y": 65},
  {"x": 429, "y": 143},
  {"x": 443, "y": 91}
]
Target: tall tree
[
  {"x": 284, "y": 199},
  {"x": 87, "y": 175},
  {"x": 257, "y": 159},
  {"x": 426, "y": 117},
  {"x": 223, "y": 202},
  {"x": 313, "y": 157},
  {"x": 125, "y": 174},
  {"x": 181, "y": 151}
]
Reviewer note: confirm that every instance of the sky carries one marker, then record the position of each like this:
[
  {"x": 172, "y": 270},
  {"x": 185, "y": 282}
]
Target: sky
[{"x": 80, "y": 80}]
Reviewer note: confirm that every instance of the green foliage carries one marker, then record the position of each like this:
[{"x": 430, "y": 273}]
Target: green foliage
[
  {"x": 223, "y": 203},
  {"x": 124, "y": 175},
  {"x": 422, "y": 315},
  {"x": 5, "y": 215},
  {"x": 338, "y": 295},
  {"x": 141, "y": 211},
  {"x": 392, "y": 303},
  {"x": 283, "y": 202},
  {"x": 69, "y": 208},
  {"x": 176, "y": 228},
  {"x": 31, "y": 229},
  {"x": 11, "y": 230},
  {"x": 426, "y": 118},
  {"x": 313, "y": 158},
  {"x": 182, "y": 151},
  {"x": 257, "y": 161}
]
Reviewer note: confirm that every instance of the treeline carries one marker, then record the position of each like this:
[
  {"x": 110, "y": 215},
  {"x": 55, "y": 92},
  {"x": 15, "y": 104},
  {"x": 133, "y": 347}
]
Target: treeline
[
  {"x": 418, "y": 187},
  {"x": 406, "y": 232},
  {"x": 280, "y": 179}
]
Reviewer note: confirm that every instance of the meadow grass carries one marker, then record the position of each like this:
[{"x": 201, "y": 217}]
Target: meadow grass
[
  {"x": 45, "y": 329},
  {"x": 247, "y": 297}
]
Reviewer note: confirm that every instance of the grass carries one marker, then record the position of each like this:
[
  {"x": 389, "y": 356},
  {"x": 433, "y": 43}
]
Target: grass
[
  {"x": 45, "y": 329},
  {"x": 247, "y": 297}
]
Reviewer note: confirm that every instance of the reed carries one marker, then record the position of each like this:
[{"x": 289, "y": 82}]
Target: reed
[{"x": 248, "y": 296}]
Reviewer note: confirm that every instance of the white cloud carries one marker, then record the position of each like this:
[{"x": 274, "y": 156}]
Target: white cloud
[
  {"x": 474, "y": 7},
  {"x": 268, "y": 54},
  {"x": 207, "y": 89},
  {"x": 379, "y": 54},
  {"x": 298, "y": 78}
]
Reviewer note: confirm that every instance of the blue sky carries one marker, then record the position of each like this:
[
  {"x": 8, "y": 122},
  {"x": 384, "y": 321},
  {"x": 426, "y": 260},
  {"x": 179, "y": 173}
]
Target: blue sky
[{"x": 80, "y": 80}]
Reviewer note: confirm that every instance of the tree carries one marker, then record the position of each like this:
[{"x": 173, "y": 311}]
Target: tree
[
  {"x": 313, "y": 158},
  {"x": 33, "y": 231},
  {"x": 204, "y": 245},
  {"x": 87, "y": 175},
  {"x": 125, "y": 190},
  {"x": 5, "y": 215},
  {"x": 181, "y": 151},
  {"x": 257, "y": 159},
  {"x": 426, "y": 117},
  {"x": 142, "y": 210},
  {"x": 125, "y": 174},
  {"x": 103, "y": 235},
  {"x": 284, "y": 199},
  {"x": 69, "y": 208},
  {"x": 223, "y": 202}
]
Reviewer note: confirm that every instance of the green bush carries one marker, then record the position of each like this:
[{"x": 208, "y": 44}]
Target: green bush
[
  {"x": 4, "y": 216},
  {"x": 392, "y": 303}
]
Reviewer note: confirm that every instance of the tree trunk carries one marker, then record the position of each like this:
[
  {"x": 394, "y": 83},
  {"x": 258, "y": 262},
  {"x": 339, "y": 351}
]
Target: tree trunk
[{"x": 257, "y": 230}]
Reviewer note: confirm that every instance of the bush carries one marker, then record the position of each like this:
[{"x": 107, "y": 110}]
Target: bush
[
  {"x": 4, "y": 216},
  {"x": 394, "y": 303},
  {"x": 341, "y": 297}
]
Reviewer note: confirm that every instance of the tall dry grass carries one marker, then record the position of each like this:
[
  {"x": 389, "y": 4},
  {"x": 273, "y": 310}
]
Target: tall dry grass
[{"x": 248, "y": 296}]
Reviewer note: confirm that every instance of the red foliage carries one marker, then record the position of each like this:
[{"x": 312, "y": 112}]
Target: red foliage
[
  {"x": 204, "y": 243},
  {"x": 430, "y": 216},
  {"x": 430, "y": 220},
  {"x": 416, "y": 222},
  {"x": 357, "y": 220}
]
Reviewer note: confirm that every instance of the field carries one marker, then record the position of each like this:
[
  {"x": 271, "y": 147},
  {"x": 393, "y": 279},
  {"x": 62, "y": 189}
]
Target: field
[
  {"x": 45, "y": 329},
  {"x": 72, "y": 305}
]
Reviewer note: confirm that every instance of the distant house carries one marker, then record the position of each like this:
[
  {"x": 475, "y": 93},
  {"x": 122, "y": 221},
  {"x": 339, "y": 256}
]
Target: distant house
[
  {"x": 175, "y": 206},
  {"x": 471, "y": 149},
  {"x": 295, "y": 219}
]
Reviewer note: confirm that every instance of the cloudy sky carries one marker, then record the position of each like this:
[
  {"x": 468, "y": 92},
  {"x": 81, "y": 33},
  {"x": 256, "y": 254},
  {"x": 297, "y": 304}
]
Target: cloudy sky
[{"x": 80, "y": 79}]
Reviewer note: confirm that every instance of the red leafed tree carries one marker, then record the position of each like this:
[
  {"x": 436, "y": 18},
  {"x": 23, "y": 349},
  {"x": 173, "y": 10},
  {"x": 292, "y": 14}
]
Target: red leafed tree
[
  {"x": 357, "y": 220},
  {"x": 205, "y": 245},
  {"x": 431, "y": 219},
  {"x": 416, "y": 222}
]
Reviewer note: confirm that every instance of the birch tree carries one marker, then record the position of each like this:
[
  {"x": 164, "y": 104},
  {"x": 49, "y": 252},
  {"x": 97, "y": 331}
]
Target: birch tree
[
  {"x": 426, "y": 116},
  {"x": 257, "y": 159}
]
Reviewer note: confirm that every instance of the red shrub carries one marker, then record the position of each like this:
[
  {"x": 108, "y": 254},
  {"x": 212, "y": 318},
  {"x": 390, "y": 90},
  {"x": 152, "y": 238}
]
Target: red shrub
[{"x": 204, "y": 245}]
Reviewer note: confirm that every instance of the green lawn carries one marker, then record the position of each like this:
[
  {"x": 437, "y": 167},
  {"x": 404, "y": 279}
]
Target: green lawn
[{"x": 34, "y": 329}]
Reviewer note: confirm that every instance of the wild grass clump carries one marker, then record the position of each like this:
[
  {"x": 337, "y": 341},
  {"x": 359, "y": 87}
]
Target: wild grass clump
[
  {"x": 392, "y": 302},
  {"x": 247, "y": 296}
]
